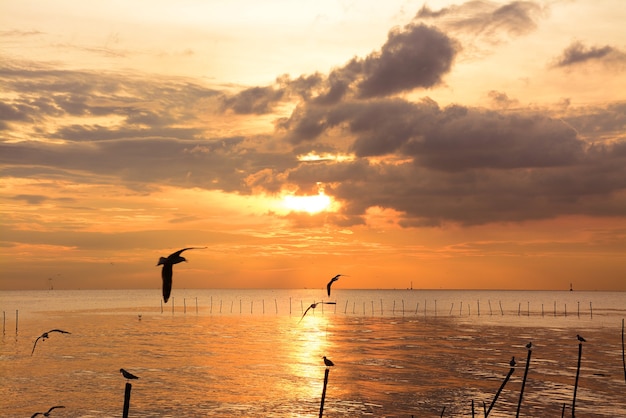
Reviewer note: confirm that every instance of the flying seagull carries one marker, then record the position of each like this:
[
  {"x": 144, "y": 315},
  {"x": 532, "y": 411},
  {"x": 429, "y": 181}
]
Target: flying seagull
[
  {"x": 314, "y": 305},
  {"x": 334, "y": 279},
  {"x": 45, "y": 336},
  {"x": 128, "y": 375},
  {"x": 529, "y": 345},
  {"x": 581, "y": 339},
  {"x": 328, "y": 362},
  {"x": 166, "y": 273},
  {"x": 46, "y": 414},
  {"x": 512, "y": 362}
]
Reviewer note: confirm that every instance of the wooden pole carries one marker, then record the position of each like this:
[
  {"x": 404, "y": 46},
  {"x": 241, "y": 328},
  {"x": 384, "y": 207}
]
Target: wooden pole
[
  {"x": 521, "y": 394},
  {"x": 129, "y": 387},
  {"x": 506, "y": 379},
  {"x": 324, "y": 391},
  {"x": 16, "y": 320},
  {"x": 623, "y": 358},
  {"x": 580, "y": 353}
]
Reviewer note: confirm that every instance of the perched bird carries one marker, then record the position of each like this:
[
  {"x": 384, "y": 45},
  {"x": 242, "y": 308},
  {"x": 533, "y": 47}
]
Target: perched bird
[
  {"x": 334, "y": 279},
  {"x": 166, "y": 272},
  {"x": 512, "y": 362},
  {"x": 328, "y": 362},
  {"x": 314, "y": 305},
  {"x": 128, "y": 375},
  {"x": 581, "y": 339},
  {"x": 46, "y": 414},
  {"x": 529, "y": 345},
  {"x": 45, "y": 336}
]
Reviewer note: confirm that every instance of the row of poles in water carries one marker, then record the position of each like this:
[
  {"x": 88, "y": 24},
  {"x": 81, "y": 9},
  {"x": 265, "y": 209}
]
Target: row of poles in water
[
  {"x": 394, "y": 309},
  {"x": 399, "y": 309}
]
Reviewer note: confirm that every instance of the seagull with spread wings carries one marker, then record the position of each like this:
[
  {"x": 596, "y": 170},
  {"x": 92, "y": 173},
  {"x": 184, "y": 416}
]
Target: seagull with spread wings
[
  {"x": 46, "y": 414},
  {"x": 314, "y": 305},
  {"x": 166, "y": 272},
  {"x": 45, "y": 336},
  {"x": 334, "y": 279}
]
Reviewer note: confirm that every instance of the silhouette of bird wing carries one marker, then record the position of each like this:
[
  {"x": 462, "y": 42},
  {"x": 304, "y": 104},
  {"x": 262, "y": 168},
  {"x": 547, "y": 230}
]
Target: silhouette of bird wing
[
  {"x": 179, "y": 252},
  {"x": 128, "y": 375},
  {"x": 307, "y": 310},
  {"x": 59, "y": 330},
  {"x": 328, "y": 285},
  {"x": 166, "y": 275},
  {"x": 35, "y": 345},
  {"x": 54, "y": 407}
]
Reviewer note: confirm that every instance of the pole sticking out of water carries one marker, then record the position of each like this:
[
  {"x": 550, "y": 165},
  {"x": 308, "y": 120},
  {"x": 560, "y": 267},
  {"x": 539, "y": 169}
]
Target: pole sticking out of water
[
  {"x": 324, "y": 391},
  {"x": 590, "y": 310},
  {"x": 161, "y": 305},
  {"x": 623, "y": 357},
  {"x": 501, "y": 311},
  {"x": 580, "y": 353},
  {"x": 521, "y": 394},
  {"x": 16, "y": 318},
  {"x": 506, "y": 379},
  {"x": 129, "y": 387},
  {"x": 185, "y": 305},
  {"x": 4, "y": 321}
]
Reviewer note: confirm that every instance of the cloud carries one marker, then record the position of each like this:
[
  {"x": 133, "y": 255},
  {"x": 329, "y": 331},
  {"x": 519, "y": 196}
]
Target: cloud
[
  {"x": 577, "y": 53},
  {"x": 485, "y": 19}
]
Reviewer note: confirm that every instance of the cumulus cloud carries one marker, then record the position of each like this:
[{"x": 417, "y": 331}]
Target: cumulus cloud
[{"x": 431, "y": 164}]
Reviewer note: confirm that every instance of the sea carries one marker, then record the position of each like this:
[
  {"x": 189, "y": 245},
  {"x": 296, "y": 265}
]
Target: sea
[{"x": 258, "y": 353}]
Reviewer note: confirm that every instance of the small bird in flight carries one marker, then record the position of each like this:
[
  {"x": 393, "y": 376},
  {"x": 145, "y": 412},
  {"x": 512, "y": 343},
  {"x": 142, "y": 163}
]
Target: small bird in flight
[
  {"x": 314, "y": 305},
  {"x": 334, "y": 279},
  {"x": 529, "y": 345},
  {"x": 512, "y": 362},
  {"x": 581, "y": 339},
  {"x": 46, "y": 336},
  {"x": 46, "y": 414},
  {"x": 328, "y": 362},
  {"x": 166, "y": 272},
  {"x": 128, "y": 375}
]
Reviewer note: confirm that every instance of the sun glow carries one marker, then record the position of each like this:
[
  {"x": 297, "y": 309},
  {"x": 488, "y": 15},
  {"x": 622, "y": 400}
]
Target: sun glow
[{"x": 310, "y": 204}]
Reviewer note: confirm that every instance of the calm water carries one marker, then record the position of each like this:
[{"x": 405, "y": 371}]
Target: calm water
[{"x": 225, "y": 353}]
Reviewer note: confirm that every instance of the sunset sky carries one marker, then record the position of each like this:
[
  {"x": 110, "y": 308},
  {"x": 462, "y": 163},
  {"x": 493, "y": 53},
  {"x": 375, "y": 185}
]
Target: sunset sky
[{"x": 443, "y": 145}]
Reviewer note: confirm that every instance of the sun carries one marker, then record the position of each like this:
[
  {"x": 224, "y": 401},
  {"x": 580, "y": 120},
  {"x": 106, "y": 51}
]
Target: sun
[{"x": 310, "y": 204}]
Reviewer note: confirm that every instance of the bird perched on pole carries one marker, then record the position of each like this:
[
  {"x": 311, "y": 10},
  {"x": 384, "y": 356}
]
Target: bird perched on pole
[
  {"x": 529, "y": 345},
  {"x": 167, "y": 271},
  {"x": 334, "y": 279},
  {"x": 581, "y": 339},
  {"x": 128, "y": 375},
  {"x": 328, "y": 362},
  {"x": 45, "y": 336},
  {"x": 512, "y": 362}
]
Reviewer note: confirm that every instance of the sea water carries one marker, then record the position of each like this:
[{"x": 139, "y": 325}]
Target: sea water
[{"x": 251, "y": 353}]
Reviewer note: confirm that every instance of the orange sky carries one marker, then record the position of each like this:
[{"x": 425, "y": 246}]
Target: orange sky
[{"x": 445, "y": 145}]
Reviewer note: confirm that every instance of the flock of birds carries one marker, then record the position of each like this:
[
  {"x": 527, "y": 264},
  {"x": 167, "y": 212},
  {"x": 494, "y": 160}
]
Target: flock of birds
[
  {"x": 167, "y": 272},
  {"x": 166, "y": 275}
]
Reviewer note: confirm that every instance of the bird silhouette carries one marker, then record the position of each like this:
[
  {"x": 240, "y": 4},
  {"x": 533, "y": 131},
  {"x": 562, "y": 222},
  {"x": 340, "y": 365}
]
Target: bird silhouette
[
  {"x": 166, "y": 272},
  {"x": 45, "y": 336},
  {"x": 128, "y": 375},
  {"x": 314, "y": 305},
  {"x": 529, "y": 345},
  {"x": 46, "y": 414},
  {"x": 581, "y": 339},
  {"x": 334, "y": 279},
  {"x": 512, "y": 362},
  {"x": 328, "y": 362}
]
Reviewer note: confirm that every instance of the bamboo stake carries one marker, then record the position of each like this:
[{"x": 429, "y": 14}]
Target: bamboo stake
[
  {"x": 324, "y": 391},
  {"x": 127, "y": 390},
  {"x": 580, "y": 353},
  {"x": 506, "y": 379},
  {"x": 521, "y": 394}
]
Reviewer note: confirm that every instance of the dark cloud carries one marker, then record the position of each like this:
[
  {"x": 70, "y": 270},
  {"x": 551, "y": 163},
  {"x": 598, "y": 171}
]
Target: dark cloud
[{"x": 578, "y": 53}]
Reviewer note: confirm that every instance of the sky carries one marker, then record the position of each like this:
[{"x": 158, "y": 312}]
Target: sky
[{"x": 433, "y": 145}]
